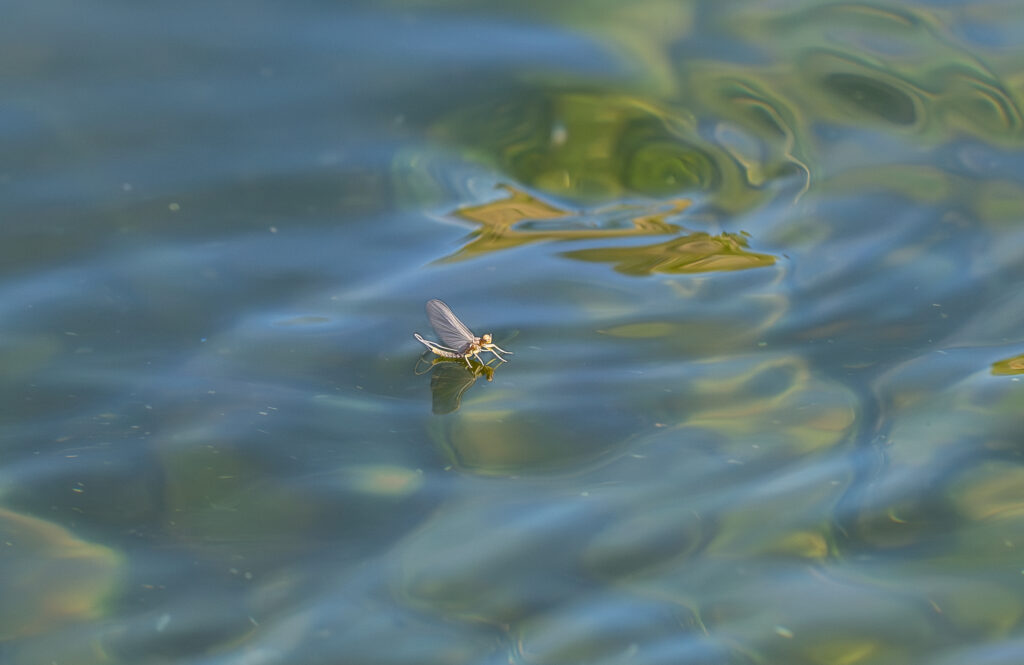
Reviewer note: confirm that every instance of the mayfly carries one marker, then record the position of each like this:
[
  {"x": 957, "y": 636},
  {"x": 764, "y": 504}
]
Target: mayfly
[{"x": 458, "y": 340}]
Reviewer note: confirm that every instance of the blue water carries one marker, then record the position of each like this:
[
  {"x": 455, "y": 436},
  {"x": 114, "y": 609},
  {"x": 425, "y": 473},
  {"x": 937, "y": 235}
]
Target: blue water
[{"x": 760, "y": 267}]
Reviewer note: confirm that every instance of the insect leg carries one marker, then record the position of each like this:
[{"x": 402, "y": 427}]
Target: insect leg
[{"x": 490, "y": 348}]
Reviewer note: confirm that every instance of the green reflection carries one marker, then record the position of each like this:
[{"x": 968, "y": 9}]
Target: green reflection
[
  {"x": 659, "y": 166},
  {"x": 873, "y": 96},
  {"x": 998, "y": 201},
  {"x": 861, "y": 63},
  {"x": 592, "y": 145},
  {"x": 849, "y": 87},
  {"x": 736, "y": 398},
  {"x": 926, "y": 184}
]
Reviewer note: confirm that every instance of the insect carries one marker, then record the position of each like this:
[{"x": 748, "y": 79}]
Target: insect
[{"x": 459, "y": 341}]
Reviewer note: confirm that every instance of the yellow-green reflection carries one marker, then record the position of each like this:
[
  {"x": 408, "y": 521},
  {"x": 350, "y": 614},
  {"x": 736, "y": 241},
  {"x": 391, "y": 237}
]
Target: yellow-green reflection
[
  {"x": 800, "y": 614},
  {"x": 776, "y": 526},
  {"x": 988, "y": 497},
  {"x": 522, "y": 218},
  {"x": 706, "y": 336},
  {"x": 382, "y": 480},
  {"x": 998, "y": 201},
  {"x": 993, "y": 491},
  {"x": 694, "y": 253},
  {"x": 926, "y": 184},
  {"x": 518, "y": 220},
  {"x": 50, "y": 576},
  {"x": 1010, "y": 366},
  {"x": 736, "y": 400}
]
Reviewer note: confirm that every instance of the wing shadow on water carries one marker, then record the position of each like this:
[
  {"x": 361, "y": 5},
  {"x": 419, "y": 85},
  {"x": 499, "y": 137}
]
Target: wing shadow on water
[{"x": 450, "y": 380}]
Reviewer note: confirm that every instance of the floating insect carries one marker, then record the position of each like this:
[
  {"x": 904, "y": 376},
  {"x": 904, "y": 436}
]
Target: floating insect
[{"x": 459, "y": 341}]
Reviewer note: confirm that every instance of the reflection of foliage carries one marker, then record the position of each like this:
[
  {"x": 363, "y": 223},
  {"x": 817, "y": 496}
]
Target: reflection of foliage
[
  {"x": 736, "y": 133},
  {"x": 522, "y": 219},
  {"x": 1009, "y": 366},
  {"x": 592, "y": 145},
  {"x": 872, "y": 95},
  {"x": 657, "y": 165},
  {"x": 695, "y": 253},
  {"x": 922, "y": 80},
  {"x": 736, "y": 398}
]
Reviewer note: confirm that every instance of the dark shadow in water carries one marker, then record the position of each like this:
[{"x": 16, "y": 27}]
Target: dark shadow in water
[{"x": 450, "y": 380}]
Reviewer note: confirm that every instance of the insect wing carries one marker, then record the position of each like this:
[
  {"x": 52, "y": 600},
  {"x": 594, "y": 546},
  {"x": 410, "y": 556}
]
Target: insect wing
[
  {"x": 437, "y": 348},
  {"x": 453, "y": 333}
]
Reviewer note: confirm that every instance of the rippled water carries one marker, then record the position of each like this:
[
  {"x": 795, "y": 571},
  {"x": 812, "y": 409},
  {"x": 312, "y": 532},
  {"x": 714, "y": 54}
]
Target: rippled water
[{"x": 761, "y": 266}]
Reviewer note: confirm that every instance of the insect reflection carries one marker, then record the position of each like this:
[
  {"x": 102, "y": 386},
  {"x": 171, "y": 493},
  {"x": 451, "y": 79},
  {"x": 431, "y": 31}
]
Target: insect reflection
[
  {"x": 458, "y": 341},
  {"x": 450, "y": 381}
]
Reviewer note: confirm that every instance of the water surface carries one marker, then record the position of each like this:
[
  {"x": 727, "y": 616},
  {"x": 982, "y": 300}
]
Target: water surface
[{"x": 761, "y": 266}]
